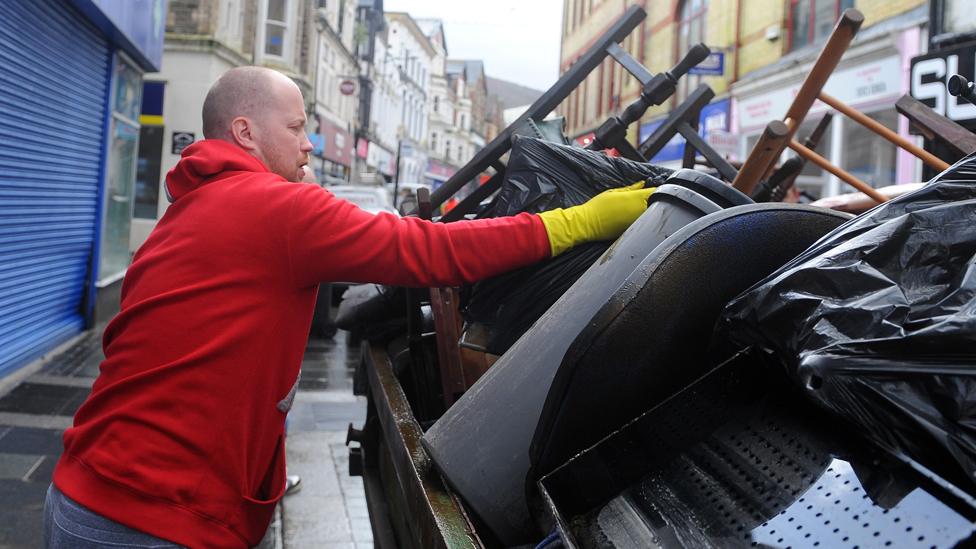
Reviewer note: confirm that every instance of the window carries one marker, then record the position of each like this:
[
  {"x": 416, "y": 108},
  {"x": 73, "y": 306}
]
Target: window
[
  {"x": 691, "y": 31},
  {"x": 437, "y": 103},
  {"x": 276, "y": 28},
  {"x": 809, "y": 20},
  {"x": 958, "y": 17},
  {"x": 460, "y": 154},
  {"x": 447, "y": 149},
  {"x": 120, "y": 170},
  {"x": 463, "y": 121},
  {"x": 868, "y": 156},
  {"x": 433, "y": 141}
]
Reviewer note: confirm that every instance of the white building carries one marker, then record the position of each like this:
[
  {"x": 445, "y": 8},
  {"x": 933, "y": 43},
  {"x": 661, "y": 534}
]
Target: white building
[
  {"x": 385, "y": 109},
  {"x": 203, "y": 41},
  {"x": 336, "y": 91},
  {"x": 444, "y": 134},
  {"x": 413, "y": 54}
]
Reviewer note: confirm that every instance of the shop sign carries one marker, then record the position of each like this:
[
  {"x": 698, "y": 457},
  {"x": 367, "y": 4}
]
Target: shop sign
[
  {"x": 347, "y": 87},
  {"x": 362, "y": 148},
  {"x": 714, "y": 118},
  {"x": 436, "y": 169},
  {"x": 713, "y": 65},
  {"x": 929, "y": 75},
  {"x": 338, "y": 144},
  {"x": 181, "y": 140},
  {"x": 854, "y": 85}
]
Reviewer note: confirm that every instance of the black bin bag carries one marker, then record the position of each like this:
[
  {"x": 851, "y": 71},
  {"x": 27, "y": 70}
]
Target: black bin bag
[
  {"x": 877, "y": 323},
  {"x": 543, "y": 176}
]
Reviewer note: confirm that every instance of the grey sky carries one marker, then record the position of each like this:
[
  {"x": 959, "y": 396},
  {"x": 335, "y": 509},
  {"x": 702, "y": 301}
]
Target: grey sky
[{"x": 517, "y": 39}]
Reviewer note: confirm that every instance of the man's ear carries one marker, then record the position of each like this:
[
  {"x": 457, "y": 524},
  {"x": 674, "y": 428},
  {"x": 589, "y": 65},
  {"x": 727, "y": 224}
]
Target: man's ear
[{"x": 241, "y": 130}]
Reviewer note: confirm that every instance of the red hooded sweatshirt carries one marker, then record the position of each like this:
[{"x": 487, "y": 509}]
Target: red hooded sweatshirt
[{"x": 182, "y": 435}]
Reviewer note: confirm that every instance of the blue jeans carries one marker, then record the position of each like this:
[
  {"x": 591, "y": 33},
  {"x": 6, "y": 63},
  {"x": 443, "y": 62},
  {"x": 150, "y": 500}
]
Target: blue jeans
[{"x": 68, "y": 525}]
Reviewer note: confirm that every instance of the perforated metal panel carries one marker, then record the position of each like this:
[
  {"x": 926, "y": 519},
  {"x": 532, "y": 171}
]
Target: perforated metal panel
[
  {"x": 54, "y": 69},
  {"x": 737, "y": 460}
]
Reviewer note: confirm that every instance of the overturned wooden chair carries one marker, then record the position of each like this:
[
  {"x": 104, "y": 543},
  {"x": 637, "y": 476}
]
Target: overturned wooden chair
[{"x": 779, "y": 135}]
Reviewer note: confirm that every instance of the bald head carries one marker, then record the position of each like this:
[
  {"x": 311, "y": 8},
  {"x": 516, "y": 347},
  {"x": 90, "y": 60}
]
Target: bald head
[{"x": 241, "y": 91}]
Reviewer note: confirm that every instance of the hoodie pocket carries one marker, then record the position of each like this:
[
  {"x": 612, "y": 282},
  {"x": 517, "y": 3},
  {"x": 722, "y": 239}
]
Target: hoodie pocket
[{"x": 272, "y": 488}]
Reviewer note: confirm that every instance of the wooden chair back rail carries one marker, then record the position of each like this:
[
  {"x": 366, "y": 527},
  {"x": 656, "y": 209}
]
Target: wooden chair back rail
[
  {"x": 934, "y": 126},
  {"x": 845, "y": 176},
  {"x": 884, "y": 132}
]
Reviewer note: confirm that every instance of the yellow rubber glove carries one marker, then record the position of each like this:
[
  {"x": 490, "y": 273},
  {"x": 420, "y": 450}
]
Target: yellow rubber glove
[{"x": 603, "y": 217}]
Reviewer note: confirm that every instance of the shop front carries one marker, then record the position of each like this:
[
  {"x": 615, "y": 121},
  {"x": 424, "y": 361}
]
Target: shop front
[
  {"x": 872, "y": 76},
  {"x": 72, "y": 74},
  {"x": 381, "y": 160},
  {"x": 713, "y": 126}
]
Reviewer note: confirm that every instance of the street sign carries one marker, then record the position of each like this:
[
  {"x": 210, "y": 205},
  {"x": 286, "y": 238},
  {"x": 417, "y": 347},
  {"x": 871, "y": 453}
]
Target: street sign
[
  {"x": 713, "y": 65},
  {"x": 347, "y": 87},
  {"x": 182, "y": 140}
]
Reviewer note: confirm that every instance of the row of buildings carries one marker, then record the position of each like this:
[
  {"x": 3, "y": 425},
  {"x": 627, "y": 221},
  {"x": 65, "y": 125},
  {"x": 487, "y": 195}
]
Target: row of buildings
[
  {"x": 103, "y": 95},
  {"x": 762, "y": 50}
]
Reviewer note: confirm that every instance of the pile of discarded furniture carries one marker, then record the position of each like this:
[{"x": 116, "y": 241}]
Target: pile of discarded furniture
[{"x": 732, "y": 371}]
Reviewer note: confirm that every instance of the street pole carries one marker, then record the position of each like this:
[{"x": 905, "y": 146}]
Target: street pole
[{"x": 396, "y": 175}]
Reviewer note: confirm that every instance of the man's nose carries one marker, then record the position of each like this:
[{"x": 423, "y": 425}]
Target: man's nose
[{"x": 306, "y": 143}]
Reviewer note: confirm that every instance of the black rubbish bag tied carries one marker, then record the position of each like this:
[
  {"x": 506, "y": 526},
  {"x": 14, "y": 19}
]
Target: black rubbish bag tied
[
  {"x": 877, "y": 322},
  {"x": 542, "y": 176}
]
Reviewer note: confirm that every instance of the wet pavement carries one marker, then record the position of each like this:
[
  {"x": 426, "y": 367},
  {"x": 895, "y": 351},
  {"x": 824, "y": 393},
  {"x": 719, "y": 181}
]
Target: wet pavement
[{"x": 328, "y": 512}]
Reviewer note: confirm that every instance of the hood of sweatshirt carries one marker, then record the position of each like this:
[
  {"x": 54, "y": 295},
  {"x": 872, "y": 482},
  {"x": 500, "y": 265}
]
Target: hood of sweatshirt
[{"x": 203, "y": 160}]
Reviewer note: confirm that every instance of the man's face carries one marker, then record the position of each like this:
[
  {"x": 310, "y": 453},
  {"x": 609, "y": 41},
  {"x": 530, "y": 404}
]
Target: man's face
[{"x": 279, "y": 132}]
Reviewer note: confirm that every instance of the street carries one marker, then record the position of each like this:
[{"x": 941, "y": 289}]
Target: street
[{"x": 329, "y": 511}]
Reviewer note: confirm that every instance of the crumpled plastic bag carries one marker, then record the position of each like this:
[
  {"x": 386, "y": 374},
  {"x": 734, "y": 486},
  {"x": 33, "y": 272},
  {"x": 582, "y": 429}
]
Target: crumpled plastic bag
[
  {"x": 877, "y": 323},
  {"x": 542, "y": 176}
]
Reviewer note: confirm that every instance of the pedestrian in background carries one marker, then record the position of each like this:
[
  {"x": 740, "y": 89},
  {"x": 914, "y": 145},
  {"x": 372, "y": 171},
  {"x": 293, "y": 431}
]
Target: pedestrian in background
[{"x": 181, "y": 441}]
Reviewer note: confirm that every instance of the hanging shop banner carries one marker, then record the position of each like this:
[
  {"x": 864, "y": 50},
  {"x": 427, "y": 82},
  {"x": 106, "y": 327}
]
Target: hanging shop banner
[
  {"x": 338, "y": 143},
  {"x": 855, "y": 86},
  {"x": 714, "y": 118},
  {"x": 928, "y": 83}
]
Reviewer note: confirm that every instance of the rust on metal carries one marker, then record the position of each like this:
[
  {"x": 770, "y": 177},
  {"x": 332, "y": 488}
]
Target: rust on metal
[{"x": 436, "y": 518}]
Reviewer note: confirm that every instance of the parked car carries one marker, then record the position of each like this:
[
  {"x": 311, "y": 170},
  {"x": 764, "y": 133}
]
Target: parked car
[
  {"x": 406, "y": 195},
  {"x": 373, "y": 199}
]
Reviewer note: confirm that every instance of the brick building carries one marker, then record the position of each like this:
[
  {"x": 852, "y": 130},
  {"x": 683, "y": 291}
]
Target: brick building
[{"x": 767, "y": 47}]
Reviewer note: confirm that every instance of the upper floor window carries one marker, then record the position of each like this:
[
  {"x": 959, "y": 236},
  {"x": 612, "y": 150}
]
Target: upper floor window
[
  {"x": 437, "y": 103},
  {"x": 810, "y": 20},
  {"x": 276, "y": 31},
  {"x": 463, "y": 122},
  {"x": 958, "y": 16}
]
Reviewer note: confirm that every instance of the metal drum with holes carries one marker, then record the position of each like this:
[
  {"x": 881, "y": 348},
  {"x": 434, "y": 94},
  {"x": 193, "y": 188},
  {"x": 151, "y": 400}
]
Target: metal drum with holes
[{"x": 739, "y": 459}]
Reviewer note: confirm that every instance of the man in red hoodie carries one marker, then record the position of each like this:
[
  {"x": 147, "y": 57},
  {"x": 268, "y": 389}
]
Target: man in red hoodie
[{"x": 181, "y": 441}]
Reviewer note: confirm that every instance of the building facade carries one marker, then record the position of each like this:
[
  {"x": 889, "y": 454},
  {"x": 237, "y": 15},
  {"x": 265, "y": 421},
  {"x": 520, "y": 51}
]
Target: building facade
[
  {"x": 73, "y": 81},
  {"x": 413, "y": 55},
  {"x": 762, "y": 50},
  {"x": 337, "y": 89}
]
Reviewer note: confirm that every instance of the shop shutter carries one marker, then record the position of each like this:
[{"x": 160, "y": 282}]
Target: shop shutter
[{"x": 53, "y": 70}]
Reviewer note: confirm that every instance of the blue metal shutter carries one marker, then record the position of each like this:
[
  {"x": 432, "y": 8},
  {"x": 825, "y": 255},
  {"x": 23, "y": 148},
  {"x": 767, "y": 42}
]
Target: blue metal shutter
[{"x": 53, "y": 85}]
